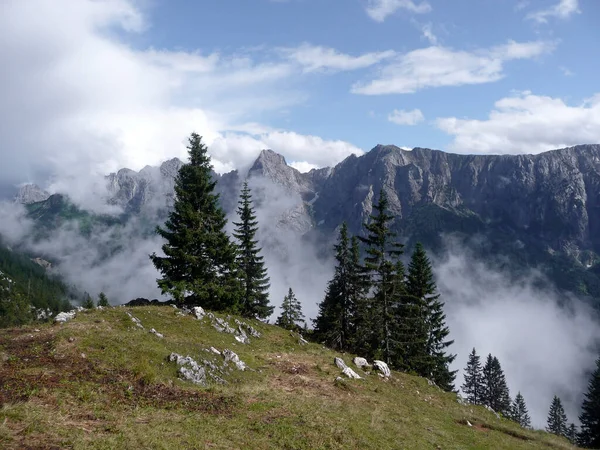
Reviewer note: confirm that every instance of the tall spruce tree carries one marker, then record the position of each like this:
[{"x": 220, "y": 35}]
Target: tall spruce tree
[
  {"x": 519, "y": 413},
  {"x": 557, "y": 419},
  {"x": 430, "y": 327},
  {"x": 333, "y": 324},
  {"x": 473, "y": 387},
  {"x": 382, "y": 252},
  {"x": 590, "y": 412},
  {"x": 254, "y": 300},
  {"x": 495, "y": 390},
  {"x": 291, "y": 316},
  {"x": 199, "y": 266}
]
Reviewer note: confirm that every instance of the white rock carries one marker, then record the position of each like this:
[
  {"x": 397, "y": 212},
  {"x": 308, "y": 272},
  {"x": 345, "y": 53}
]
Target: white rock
[
  {"x": 382, "y": 367},
  {"x": 235, "y": 359},
  {"x": 461, "y": 400},
  {"x": 469, "y": 423},
  {"x": 189, "y": 369},
  {"x": 351, "y": 373},
  {"x": 340, "y": 363},
  {"x": 65, "y": 316},
  {"x": 199, "y": 312},
  {"x": 153, "y": 331},
  {"x": 215, "y": 351},
  {"x": 361, "y": 362},
  {"x": 138, "y": 322}
]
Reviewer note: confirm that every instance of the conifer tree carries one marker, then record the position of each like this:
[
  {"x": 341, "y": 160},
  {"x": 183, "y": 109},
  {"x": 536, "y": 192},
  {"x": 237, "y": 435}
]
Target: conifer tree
[
  {"x": 495, "y": 390},
  {"x": 359, "y": 285},
  {"x": 291, "y": 316},
  {"x": 382, "y": 251},
  {"x": 199, "y": 263},
  {"x": 519, "y": 413},
  {"x": 88, "y": 302},
  {"x": 254, "y": 301},
  {"x": 557, "y": 419},
  {"x": 103, "y": 300},
  {"x": 590, "y": 412},
  {"x": 572, "y": 435},
  {"x": 334, "y": 321},
  {"x": 431, "y": 327},
  {"x": 473, "y": 385}
]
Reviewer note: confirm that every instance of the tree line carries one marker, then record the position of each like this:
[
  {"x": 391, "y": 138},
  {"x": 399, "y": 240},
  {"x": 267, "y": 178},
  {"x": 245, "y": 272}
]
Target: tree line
[{"x": 373, "y": 306}]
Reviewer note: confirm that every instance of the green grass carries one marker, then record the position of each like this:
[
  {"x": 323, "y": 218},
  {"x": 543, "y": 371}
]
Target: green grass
[{"x": 100, "y": 382}]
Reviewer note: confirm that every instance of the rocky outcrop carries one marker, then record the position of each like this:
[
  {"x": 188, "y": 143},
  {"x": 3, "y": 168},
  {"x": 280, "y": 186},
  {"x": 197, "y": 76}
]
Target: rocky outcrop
[{"x": 31, "y": 193}]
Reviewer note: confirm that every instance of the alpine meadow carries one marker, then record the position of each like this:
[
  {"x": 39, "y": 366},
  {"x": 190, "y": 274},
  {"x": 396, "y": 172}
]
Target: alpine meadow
[{"x": 202, "y": 245}]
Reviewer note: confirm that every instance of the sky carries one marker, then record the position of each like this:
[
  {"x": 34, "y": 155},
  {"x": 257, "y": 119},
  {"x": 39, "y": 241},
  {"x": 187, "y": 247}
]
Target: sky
[{"x": 90, "y": 86}]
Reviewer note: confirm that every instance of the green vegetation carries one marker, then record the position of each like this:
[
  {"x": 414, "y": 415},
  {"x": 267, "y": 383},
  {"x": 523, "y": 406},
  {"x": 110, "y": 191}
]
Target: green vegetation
[
  {"x": 557, "y": 419},
  {"x": 291, "y": 317},
  {"x": 199, "y": 266},
  {"x": 590, "y": 415},
  {"x": 25, "y": 284},
  {"x": 254, "y": 300},
  {"x": 100, "y": 382}
]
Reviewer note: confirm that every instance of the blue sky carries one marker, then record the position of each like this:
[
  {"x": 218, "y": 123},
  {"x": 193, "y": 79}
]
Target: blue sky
[{"x": 314, "y": 80}]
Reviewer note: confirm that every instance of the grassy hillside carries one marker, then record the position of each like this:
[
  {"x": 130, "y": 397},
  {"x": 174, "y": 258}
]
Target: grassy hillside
[{"x": 99, "y": 381}]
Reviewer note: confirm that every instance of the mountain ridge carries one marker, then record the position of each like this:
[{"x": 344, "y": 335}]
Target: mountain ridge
[{"x": 542, "y": 210}]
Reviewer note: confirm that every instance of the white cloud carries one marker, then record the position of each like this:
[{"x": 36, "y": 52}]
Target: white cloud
[
  {"x": 440, "y": 66},
  {"x": 427, "y": 31},
  {"x": 315, "y": 58},
  {"x": 402, "y": 117},
  {"x": 526, "y": 123},
  {"x": 78, "y": 102},
  {"x": 379, "y": 10},
  {"x": 303, "y": 166},
  {"x": 561, "y": 10}
]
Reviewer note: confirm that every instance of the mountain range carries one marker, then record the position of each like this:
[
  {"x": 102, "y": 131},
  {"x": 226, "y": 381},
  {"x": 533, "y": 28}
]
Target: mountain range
[{"x": 517, "y": 211}]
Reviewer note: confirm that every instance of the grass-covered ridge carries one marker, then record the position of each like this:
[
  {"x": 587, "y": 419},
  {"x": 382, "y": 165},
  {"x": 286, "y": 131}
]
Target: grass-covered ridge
[{"x": 99, "y": 381}]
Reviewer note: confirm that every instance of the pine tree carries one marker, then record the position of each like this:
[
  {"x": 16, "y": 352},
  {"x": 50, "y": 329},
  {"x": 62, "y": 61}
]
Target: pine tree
[
  {"x": 359, "y": 304},
  {"x": 519, "y": 413},
  {"x": 291, "y": 313},
  {"x": 334, "y": 322},
  {"x": 380, "y": 323},
  {"x": 590, "y": 412},
  {"x": 102, "y": 300},
  {"x": 252, "y": 271},
  {"x": 87, "y": 302},
  {"x": 199, "y": 263},
  {"x": 430, "y": 327},
  {"x": 572, "y": 434},
  {"x": 473, "y": 385},
  {"x": 495, "y": 390},
  {"x": 557, "y": 419}
]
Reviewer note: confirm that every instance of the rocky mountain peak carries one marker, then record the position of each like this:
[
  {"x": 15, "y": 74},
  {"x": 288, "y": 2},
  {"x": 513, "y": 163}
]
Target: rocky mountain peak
[{"x": 31, "y": 193}]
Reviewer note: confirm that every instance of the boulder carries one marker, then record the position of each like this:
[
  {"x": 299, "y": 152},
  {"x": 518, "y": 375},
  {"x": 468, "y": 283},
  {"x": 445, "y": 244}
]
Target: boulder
[
  {"x": 198, "y": 312},
  {"x": 65, "y": 316},
  {"x": 383, "y": 368},
  {"x": 189, "y": 369},
  {"x": 361, "y": 362},
  {"x": 340, "y": 363},
  {"x": 234, "y": 358},
  {"x": 351, "y": 373}
]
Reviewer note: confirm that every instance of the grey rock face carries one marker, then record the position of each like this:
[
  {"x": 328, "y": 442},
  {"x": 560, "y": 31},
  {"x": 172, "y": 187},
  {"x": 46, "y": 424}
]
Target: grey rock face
[{"x": 31, "y": 193}]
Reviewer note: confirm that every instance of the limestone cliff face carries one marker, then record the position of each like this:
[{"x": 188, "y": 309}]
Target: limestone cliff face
[{"x": 553, "y": 196}]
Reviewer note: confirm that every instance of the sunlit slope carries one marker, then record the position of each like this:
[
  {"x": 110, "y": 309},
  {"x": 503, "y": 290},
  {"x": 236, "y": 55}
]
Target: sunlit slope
[{"x": 101, "y": 381}]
